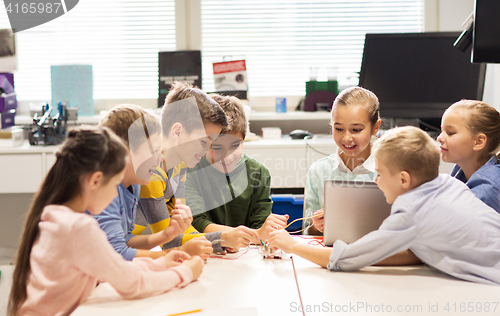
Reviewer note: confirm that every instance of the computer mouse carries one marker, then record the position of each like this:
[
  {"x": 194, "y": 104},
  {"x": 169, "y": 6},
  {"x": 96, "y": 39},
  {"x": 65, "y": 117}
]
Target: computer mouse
[{"x": 300, "y": 134}]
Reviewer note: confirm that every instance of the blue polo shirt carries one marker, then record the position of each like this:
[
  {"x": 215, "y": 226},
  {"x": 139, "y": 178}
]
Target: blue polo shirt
[
  {"x": 484, "y": 183},
  {"x": 117, "y": 220}
]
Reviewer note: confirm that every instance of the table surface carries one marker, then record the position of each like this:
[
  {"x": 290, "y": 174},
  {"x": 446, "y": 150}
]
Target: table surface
[{"x": 250, "y": 285}]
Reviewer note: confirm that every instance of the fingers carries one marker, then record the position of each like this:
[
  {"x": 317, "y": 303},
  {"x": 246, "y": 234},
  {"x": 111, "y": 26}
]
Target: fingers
[
  {"x": 249, "y": 234},
  {"x": 321, "y": 211},
  {"x": 181, "y": 255},
  {"x": 182, "y": 217},
  {"x": 280, "y": 239},
  {"x": 184, "y": 210},
  {"x": 276, "y": 221}
]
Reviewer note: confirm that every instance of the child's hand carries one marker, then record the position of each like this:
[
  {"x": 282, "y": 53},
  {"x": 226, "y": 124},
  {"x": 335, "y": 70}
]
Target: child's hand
[
  {"x": 272, "y": 223},
  {"x": 281, "y": 239},
  {"x": 196, "y": 266},
  {"x": 238, "y": 237},
  {"x": 175, "y": 258},
  {"x": 319, "y": 221},
  {"x": 179, "y": 221},
  {"x": 185, "y": 217},
  {"x": 198, "y": 246}
]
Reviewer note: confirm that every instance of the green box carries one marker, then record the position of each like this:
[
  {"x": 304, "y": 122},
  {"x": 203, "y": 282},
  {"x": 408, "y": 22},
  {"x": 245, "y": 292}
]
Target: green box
[{"x": 330, "y": 85}]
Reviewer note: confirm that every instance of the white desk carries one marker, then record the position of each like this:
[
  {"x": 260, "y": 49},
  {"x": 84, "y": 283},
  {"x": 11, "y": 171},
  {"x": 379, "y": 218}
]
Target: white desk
[
  {"x": 250, "y": 285},
  {"x": 248, "y": 282},
  {"x": 269, "y": 286}
]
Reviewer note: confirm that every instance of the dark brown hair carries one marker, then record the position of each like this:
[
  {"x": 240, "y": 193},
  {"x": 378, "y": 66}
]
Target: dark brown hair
[
  {"x": 85, "y": 151},
  {"x": 185, "y": 104},
  {"x": 235, "y": 113}
]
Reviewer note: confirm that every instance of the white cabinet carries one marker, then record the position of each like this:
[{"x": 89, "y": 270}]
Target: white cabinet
[
  {"x": 289, "y": 159},
  {"x": 20, "y": 173},
  {"x": 22, "y": 169}
]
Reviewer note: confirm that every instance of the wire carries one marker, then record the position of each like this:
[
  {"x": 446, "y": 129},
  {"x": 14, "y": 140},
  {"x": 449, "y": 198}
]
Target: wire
[
  {"x": 299, "y": 219},
  {"x": 315, "y": 242},
  {"x": 298, "y": 290},
  {"x": 314, "y": 149}
]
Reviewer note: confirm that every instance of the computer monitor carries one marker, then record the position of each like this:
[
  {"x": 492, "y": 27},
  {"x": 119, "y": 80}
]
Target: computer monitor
[
  {"x": 419, "y": 75},
  {"x": 486, "y": 33}
]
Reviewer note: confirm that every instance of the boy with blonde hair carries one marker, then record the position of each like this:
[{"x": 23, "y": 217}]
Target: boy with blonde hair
[
  {"x": 436, "y": 216},
  {"x": 228, "y": 191}
]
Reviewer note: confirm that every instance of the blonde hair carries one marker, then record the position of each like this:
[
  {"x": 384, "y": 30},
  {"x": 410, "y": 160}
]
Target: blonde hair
[
  {"x": 121, "y": 118},
  {"x": 481, "y": 118},
  {"x": 409, "y": 149},
  {"x": 187, "y": 113},
  {"x": 357, "y": 96},
  {"x": 235, "y": 113}
]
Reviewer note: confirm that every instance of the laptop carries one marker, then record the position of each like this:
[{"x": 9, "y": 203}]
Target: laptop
[{"x": 352, "y": 210}]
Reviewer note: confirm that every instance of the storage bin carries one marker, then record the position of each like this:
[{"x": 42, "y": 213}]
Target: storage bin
[{"x": 292, "y": 205}]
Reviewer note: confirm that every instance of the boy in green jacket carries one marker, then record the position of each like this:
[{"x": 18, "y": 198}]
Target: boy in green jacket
[{"x": 227, "y": 190}]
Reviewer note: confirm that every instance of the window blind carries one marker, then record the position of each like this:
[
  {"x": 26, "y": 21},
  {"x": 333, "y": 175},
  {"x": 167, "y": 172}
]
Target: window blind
[
  {"x": 119, "y": 38},
  {"x": 284, "y": 41}
]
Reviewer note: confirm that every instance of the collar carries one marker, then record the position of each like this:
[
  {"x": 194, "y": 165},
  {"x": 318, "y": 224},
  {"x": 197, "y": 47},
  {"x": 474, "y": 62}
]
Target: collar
[{"x": 366, "y": 167}]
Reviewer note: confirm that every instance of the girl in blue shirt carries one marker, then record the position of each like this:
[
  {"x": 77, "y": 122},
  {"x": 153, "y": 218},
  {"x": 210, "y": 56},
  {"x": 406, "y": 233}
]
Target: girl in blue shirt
[{"x": 470, "y": 138}]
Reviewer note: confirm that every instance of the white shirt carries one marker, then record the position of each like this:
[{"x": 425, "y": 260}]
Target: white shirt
[
  {"x": 332, "y": 168},
  {"x": 443, "y": 223}
]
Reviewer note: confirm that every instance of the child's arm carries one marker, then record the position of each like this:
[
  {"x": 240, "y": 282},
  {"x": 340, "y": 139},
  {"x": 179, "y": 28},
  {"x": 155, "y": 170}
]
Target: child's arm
[
  {"x": 143, "y": 277},
  {"x": 110, "y": 221},
  {"x": 179, "y": 221},
  {"x": 395, "y": 234},
  {"x": 282, "y": 239},
  {"x": 234, "y": 237}
]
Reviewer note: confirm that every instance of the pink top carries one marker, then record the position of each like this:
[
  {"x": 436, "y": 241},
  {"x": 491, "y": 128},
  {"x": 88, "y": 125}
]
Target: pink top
[{"x": 72, "y": 253}]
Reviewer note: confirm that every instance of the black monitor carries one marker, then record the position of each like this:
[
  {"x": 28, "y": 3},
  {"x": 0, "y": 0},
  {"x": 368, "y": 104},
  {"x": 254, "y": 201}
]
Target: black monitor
[
  {"x": 419, "y": 75},
  {"x": 486, "y": 33}
]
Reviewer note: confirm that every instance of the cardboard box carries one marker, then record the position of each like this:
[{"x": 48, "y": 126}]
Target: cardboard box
[{"x": 11, "y": 137}]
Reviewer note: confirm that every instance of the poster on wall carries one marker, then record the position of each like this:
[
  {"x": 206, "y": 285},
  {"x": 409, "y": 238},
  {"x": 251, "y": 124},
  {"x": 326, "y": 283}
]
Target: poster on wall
[{"x": 230, "y": 75}]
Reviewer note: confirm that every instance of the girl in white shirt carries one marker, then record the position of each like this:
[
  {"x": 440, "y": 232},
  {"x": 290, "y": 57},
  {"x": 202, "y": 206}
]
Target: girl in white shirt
[
  {"x": 63, "y": 252},
  {"x": 355, "y": 119}
]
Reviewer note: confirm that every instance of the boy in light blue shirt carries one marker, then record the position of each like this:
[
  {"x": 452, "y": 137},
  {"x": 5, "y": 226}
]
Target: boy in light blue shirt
[{"x": 436, "y": 216}]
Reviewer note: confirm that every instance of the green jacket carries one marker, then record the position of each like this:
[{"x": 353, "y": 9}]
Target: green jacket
[{"x": 242, "y": 197}]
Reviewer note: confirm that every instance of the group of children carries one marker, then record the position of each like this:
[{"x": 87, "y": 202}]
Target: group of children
[{"x": 188, "y": 179}]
